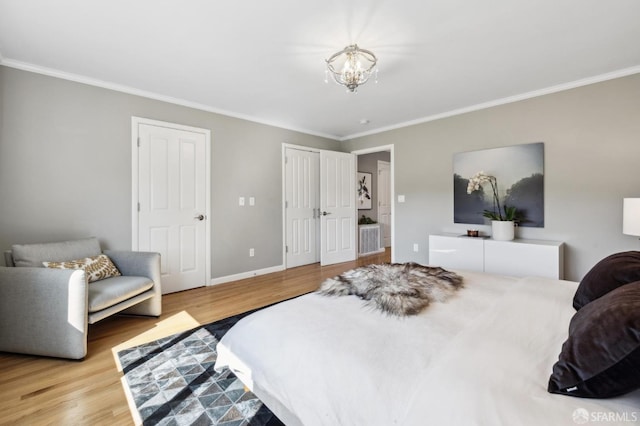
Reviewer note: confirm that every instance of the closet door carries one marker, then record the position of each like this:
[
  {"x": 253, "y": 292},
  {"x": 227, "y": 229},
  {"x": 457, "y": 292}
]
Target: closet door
[
  {"x": 338, "y": 207},
  {"x": 302, "y": 206},
  {"x": 384, "y": 200}
]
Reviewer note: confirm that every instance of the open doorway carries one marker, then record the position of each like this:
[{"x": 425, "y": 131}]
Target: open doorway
[{"x": 375, "y": 171}]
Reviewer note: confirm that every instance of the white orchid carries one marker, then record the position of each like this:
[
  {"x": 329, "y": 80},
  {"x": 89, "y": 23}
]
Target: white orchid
[{"x": 476, "y": 182}]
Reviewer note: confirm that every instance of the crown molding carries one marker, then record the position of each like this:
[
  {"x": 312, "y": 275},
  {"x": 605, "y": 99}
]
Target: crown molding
[
  {"x": 151, "y": 95},
  {"x": 24, "y": 66},
  {"x": 528, "y": 95}
]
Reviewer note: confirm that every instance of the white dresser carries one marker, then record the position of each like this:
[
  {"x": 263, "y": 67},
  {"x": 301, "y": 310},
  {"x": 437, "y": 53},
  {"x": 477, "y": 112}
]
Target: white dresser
[{"x": 517, "y": 258}]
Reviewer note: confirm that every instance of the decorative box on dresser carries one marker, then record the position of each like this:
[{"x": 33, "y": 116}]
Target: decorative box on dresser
[{"x": 518, "y": 257}]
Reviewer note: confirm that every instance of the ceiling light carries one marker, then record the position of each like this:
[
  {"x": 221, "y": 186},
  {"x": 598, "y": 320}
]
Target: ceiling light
[{"x": 352, "y": 67}]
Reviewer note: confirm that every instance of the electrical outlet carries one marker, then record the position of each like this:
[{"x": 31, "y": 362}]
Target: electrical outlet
[
  {"x": 241, "y": 201},
  {"x": 252, "y": 201},
  {"x": 416, "y": 248},
  {"x": 252, "y": 252}
]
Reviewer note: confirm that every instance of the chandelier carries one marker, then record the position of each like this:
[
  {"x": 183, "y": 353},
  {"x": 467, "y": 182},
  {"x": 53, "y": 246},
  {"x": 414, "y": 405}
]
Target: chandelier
[{"x": 351, "y": 67}]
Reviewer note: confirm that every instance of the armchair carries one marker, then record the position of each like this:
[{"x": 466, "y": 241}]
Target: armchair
[{"x": 46, "y": 311}]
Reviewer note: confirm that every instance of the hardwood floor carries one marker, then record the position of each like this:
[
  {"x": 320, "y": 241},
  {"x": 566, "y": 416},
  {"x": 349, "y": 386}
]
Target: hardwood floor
[{"x": 47, "y": 391}]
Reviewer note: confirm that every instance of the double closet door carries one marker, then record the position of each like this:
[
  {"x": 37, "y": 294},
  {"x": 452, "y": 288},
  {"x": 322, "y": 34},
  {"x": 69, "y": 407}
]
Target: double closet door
[{"x": 320, "y": 210}]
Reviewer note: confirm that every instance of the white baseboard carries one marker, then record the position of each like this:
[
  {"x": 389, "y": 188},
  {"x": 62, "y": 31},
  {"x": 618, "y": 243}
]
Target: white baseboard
[
  {"x": 380, "y": 250},
  {"x": 248, "y": 274}
]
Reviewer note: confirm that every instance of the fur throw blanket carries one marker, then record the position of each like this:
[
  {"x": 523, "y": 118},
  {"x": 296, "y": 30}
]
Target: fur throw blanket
[{"x": 394, "y": 288}]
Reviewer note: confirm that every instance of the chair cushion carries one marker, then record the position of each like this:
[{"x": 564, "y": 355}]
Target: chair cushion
[
  {"x": 33, "y": 255},
  {"x": 110, "y": 291}
]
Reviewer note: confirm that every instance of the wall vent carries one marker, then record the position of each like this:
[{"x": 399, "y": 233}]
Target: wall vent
[{"x": 369, "y": 241}]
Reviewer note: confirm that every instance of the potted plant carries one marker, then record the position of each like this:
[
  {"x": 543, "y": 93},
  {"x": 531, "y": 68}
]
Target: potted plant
[
  {"x": 503, "y": 218},
  {"x": 366, "y": 220}
]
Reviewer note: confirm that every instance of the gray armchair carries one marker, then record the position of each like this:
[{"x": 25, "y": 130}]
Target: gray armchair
[{"x": 46, "y": 311}]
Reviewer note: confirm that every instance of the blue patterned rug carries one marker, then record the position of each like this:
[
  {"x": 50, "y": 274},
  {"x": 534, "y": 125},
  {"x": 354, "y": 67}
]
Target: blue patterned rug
[{"x": 172, "y": 382}]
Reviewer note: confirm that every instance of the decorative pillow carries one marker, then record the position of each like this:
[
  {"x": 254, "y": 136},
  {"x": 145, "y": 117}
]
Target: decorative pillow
[
  {"x": 96, "y": 267},
  {"x": 601, "y": 357},
  {"x": 608, "y": 274}
]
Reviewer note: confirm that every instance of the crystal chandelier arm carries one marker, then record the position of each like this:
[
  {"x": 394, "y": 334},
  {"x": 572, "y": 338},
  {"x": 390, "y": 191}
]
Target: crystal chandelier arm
[
  {"x": 353, "y": 73},
  {"x": 370, "y": 57}
]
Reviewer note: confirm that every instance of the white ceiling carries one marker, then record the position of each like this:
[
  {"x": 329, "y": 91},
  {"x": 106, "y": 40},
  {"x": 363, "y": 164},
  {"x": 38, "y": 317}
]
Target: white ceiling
[{"x": 264, "y": 60}]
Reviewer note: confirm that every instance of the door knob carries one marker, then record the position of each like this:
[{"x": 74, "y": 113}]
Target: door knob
[
  {"x": 199, "y": 217},
  {"x": 325, "y": 213}
]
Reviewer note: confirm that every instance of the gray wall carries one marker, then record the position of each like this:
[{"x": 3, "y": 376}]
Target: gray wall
[
  {"x": 65, "y": 169},
  {"x": 592, "y": 153},
  {"x": 369, "y": 163}
]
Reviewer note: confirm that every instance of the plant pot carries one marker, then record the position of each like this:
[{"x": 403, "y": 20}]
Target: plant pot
[{"x": 502, "y": 230}]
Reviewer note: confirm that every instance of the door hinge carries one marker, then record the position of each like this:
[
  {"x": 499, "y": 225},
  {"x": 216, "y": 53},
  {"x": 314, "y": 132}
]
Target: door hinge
[
  {"x": 286, "y": 249},
  {"x": 286, "y": 204},
  {"x": 138, "y": 206},
  {"x": 138, "y": 141}
]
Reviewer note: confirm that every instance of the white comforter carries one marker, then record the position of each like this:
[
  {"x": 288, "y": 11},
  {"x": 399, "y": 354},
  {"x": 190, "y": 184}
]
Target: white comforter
[{"x": 482, "y": 358}]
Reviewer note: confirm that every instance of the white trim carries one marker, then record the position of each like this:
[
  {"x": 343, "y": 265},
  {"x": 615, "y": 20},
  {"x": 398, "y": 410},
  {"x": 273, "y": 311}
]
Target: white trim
[
  {"x": 391, "y": 149},
  {"x": 497, "y": 102},
  {"x": 380, "y": 250},
  {"x": 135, "y": 184},
  {"x": 245, "y": 275},
  {"x": 25, "y": 66},
  {"x": 135, "y": 122}
]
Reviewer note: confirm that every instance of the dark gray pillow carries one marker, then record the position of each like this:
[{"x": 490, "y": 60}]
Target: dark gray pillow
[
  {"x": 610, "y": 273},
  {"x": 601, "y": 357}
]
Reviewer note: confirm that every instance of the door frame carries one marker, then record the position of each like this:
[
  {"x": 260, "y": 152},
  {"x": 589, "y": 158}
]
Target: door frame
[
  {"x": 390, "y": 148},
  {"x": 135, "y": 184}
]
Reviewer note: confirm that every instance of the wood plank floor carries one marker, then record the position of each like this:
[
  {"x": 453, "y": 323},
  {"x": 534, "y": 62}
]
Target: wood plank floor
[{"x": 47, "y": 391}]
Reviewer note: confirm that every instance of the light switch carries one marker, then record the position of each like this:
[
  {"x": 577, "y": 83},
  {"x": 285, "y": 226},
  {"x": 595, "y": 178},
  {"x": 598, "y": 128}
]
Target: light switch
[
  {"x": 252, "y": 201},
  {"x": 241, "y": 201}
]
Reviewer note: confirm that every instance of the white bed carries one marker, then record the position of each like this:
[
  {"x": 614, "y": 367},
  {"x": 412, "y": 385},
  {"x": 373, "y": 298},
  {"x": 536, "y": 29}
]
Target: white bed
[{"x": 482, "y": 358}]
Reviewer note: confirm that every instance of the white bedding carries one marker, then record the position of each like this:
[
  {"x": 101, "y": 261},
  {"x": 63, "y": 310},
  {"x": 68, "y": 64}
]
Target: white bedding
[{"x": 484, "y": 357}]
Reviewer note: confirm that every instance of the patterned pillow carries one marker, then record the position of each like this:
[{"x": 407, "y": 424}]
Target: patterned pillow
[{"x": 96, "y": 267}]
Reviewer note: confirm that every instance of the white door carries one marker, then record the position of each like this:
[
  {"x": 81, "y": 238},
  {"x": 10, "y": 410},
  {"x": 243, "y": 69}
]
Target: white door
[
  {"x": 173, "y": 203},
  {"x": 384, "y": 200},
  {"x": 302, "y": 207},
  {"x": 338, "y": 207}
]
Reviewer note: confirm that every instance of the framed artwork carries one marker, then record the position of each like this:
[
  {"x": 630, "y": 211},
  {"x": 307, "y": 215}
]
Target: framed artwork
[
  {"x": 519, "y": 182},
  {"x": 364, "y": 191}
]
